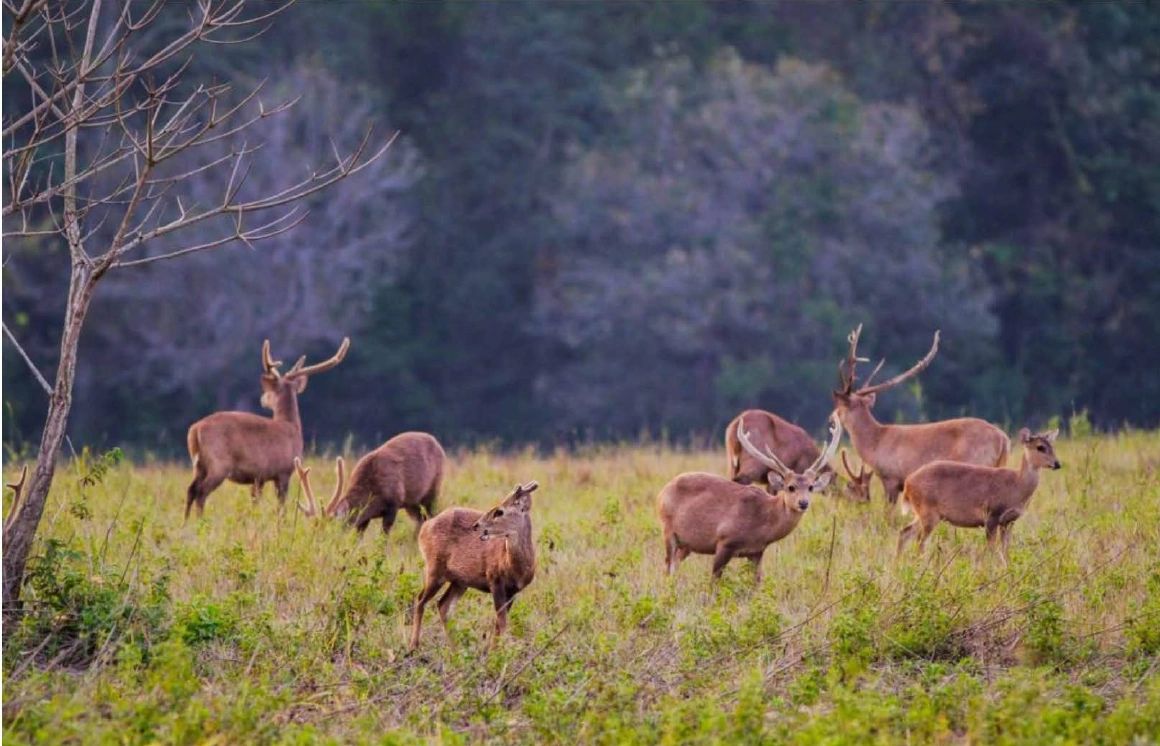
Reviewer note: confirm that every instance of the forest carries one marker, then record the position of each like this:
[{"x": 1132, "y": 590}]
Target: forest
[{"x": 608, "y": 221}]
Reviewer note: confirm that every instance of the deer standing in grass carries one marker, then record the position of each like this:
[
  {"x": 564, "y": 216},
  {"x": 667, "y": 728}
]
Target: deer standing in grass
[
  {"x": 405, "y": 473},
  {"x": 490, "y": 552},
  {"x": 707, "y": 514},
  {"x": 250, "y": 449},
  {"x": 893, "y": 452},
  {"x": 972, "y": 496},
  {"x": 792, "y": 445},
  {"x": 858, "y": 483}
]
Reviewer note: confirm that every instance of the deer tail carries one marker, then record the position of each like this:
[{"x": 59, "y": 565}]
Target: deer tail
[{"x": 194, "y": 446}]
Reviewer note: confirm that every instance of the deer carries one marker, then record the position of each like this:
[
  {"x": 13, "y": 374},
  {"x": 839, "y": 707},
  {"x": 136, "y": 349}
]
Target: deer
[
  {"x": 405, "y": 473},
  {"x": 489, "y": 551},
  {"x": 247, "y": 448},
  {"x": 707, "y": 514},
  {"x": 857, "y": 483},
  {"x": 893, "y": 452},
  {"x": 793, "y": 445},
  {"x": 973, "y": 496}
]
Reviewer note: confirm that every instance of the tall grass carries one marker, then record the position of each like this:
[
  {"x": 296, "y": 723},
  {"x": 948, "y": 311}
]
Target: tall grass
[{"x": 248, "y": 627}]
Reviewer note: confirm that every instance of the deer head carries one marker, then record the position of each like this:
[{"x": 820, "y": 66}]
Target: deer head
[
  {"x": 858, "y": 487},
  {"x": 310, "y": 507},
  {"x": 796, "y": 488},
  {"x": 510, "y": 516},
  {"x": 848, "y": 397},
  {"x": 277, "y": 385},
  {"x": 1039, "y": 449}
]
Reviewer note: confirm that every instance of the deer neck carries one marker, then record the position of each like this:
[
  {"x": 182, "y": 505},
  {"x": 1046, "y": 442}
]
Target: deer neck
[
  {"x": 1028, "y": 479},
  {"x": 520, "y": 554},
  {"x": 864, "y": 431},
  {"x": 286, "y": 408}
]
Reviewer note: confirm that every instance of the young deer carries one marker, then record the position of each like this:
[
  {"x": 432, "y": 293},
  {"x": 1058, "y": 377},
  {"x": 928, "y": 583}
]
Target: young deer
[
  {"x": 490, "y": 552},
  {"x": 893, "y": 452},
  {"x": 858, "y": 484},
  {"x": 248, "y": 448},
  {"x": 706, "y": 514},
  {"x": 404, "y": 473},
  {"x": 792, "y": 445},
  {"x": 972, "y": 496}
]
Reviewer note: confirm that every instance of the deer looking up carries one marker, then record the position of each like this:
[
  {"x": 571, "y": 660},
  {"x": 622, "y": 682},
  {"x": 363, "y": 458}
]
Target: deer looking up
[
  {"x": 491, "y": 552},
  {"x": 250, "y": 449},
  {"x": 707, "y": 514},
  {"x": 792, "y": 445},
  {"x": 893, "y": 452},
  {"x": 972, "y": 496}
]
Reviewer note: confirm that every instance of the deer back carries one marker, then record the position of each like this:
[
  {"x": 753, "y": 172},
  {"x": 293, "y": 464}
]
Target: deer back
[
  {"x": 402, "y": 471},
  {"x": 700, "y": 508},
  {"x": 789, "y": 442},
  {"x": 245, "y": 445}
]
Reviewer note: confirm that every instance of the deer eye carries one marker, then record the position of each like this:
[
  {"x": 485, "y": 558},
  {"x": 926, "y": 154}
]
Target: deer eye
[
  {"x": 498, "y": 512},
  {"x": 1042, "y": 448},
  {"x": 792, "y": 488}
]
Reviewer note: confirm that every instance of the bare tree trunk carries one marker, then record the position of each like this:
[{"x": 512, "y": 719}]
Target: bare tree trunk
[{"x": 18, "y": 537}]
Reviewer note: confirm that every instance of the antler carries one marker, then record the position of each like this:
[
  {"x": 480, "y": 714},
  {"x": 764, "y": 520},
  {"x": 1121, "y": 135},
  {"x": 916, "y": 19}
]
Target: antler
[
  {"x": 338, "y": 470},
  {"x": 531, "y": 486},
  {"x": 768, "y": 458},
  {"x": 270, "y": 365},
  {"x": 831, "y": 447},
  {"x": 846, "y": 368},
  {"x": 309, "y": 370},
  {"x": 850, "y": 472},
  {"x": 18, "y": 488},
  {"x": 311, "y": 506},
  {"x": 913, "y": 371}
]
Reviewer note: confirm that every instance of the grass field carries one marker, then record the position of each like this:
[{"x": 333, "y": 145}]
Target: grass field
[{"x": 249, "y": 628}]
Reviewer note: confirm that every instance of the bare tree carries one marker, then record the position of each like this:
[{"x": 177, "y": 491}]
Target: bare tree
[{"x": 108, "y": 110}]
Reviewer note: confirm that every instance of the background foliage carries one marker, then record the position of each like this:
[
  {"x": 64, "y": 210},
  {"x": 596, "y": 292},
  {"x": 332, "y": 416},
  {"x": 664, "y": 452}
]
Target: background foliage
[{"x": 603, "y": 219}]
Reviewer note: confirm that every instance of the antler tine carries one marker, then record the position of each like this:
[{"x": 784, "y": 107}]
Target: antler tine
[
  {"x": 268, "y": 363},
  {"x": 311, "y": 506},
  {"x": 767, "y": 458},
  {"x": 18, "y": 488},
  {"x": 310, "y": 370},
  {"x": 832, "y": 446},
  {"x": 913, "y": 371},
  {"x": 531, "y": 486},
  {"x": 875, "y": 371},
  {"x": 847, "y": 376},
  {"x": 338, "y": 470},
  {"x": 297, "y": 366},
  {"x": 845, "y": 463}
]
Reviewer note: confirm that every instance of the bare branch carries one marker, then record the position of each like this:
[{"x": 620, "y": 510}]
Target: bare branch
[{"x": 31, "y": 366}]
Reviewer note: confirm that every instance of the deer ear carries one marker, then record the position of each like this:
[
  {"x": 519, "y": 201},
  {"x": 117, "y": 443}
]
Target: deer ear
[
  {"x": 870, "y": 399},
  {"x": 300, "y": 383},
  {"x": 1024, "y": 435},
  {"x": 1051, "y": 435},
  {"x": 823, "y": 481},
  {"x": 776, "y": 483}
]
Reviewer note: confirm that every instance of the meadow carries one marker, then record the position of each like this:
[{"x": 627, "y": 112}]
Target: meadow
[{"x": 250, "y": 627}]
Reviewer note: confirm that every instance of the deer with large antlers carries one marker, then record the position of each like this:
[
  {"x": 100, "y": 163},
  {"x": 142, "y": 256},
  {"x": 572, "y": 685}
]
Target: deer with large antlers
[
  {"x": 707, "y": 514},
  {"x": 491, "y": 552},
  {"x": 972, "y": 496},
  {"x": 250, "y": 449},
  {"x": 893, "y": 452},
  {"x": 792, "y": 445},
  {"x": 405, "y": 473}
]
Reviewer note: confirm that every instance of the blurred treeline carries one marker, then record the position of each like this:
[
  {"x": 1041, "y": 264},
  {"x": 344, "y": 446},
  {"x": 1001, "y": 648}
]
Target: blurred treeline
[{"x": 604, "y": 219}]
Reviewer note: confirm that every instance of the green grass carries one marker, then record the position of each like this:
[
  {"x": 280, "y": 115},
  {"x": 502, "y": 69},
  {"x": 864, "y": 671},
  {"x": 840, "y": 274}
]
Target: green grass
[{"x": 249, "y": 628}]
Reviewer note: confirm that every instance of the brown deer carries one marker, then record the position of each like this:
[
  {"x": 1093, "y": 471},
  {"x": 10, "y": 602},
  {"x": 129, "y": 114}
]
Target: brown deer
[
  {"x": 250, "y": 449},
  {"x": 972, "y": 496},
  {"x": 893, "y": 452},
  {"x": 490, "y": 552},
  {"x": 404, "y": 473},
  {"x": 707, "y": 514},
  {"x": 858, "y": 483},
  {"x": 793, "y": 446}
]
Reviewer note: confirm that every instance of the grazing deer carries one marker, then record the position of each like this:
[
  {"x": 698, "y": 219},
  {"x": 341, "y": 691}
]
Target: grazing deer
[
  {"x": 893, "y": 452},
  {"x": 858, "y": 484},
  {"x": 250, "y": 449},
  {"x": 972, "y": 496},
  {"x": 405, "y": 473},
  {"x": 490, "y": 552},
  {"x": 793, "y": 446},
  {"x": 707, "y": 514}
]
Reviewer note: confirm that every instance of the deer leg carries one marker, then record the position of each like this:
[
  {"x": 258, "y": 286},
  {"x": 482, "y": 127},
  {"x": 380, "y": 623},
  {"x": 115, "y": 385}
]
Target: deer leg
[
  {"x": 447, "y": 604},
  {"x": 502, "y": 603},
  {"x": 670, "y": 552},
  {"x": 724, "y": 553},
  {"x": 893, "y": 488},
  {"x": 389, "y": 513},
  {"x": 416, "y": 513},
  {"x": 282, "y": 487},
  {"x": 256, "y": 491},
  {"x": 924, "y": 534},
  {"x": 1004, "y": 541},
  {"x": 755, "y": 560},
  {"x": 429, "y": 590},
  {"x": 905, "y": 535},
  {"x": 992, "y": 529}
]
